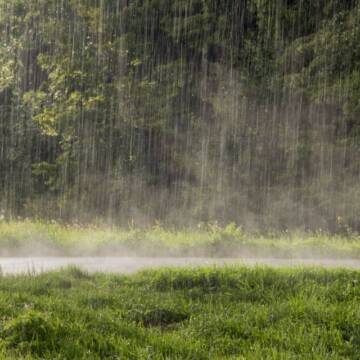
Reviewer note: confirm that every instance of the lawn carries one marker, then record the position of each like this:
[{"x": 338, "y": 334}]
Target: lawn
[
  {"x": 212, "y": 313},
  {"x": 40, "y": 238}
]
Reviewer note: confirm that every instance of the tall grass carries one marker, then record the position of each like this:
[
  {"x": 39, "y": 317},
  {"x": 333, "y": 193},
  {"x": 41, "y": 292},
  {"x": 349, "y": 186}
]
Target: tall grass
[
  {"x": 211, "y": 313},
  {"x": 40, "y": 238}
]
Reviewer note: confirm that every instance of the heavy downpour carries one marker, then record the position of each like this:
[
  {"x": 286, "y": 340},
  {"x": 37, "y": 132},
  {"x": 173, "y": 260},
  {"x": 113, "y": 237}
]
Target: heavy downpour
[{"x": 182, "y": 177}]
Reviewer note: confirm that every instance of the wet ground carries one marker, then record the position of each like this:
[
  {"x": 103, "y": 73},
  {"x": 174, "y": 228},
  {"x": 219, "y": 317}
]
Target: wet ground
[{"x": 131, "y": 265}]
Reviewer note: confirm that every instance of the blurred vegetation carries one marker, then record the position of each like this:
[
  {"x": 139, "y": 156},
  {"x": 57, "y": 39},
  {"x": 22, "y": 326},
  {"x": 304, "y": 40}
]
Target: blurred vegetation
[
  {"x": 37, "y": 238},
  {"x": 182, "y": 111},
  {"x": 182, "y": 314}
]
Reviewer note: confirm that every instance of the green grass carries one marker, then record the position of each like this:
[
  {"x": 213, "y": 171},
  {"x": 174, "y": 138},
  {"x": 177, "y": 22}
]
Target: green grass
[
  {"x": 40, "y": 238},
  {"x": 228, "y": 313}
]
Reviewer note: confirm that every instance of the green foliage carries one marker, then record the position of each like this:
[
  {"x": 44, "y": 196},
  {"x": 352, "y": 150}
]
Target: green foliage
[
  {"x": 24, "y": 238},
  {"x": 158, "y": 317},
  {"x": 31, "y": 333},
  {"x": 231, "y": 110},
  {"x": 183, "y": 314}
]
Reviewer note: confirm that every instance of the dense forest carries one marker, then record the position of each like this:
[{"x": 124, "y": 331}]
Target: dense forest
[{"x": 182, "y": 111}]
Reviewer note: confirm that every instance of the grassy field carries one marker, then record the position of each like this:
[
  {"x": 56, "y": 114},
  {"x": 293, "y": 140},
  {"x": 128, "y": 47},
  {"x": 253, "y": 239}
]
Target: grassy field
[
  {"x": 229, "y": 313},
  {"x": 39, "y": 238}
]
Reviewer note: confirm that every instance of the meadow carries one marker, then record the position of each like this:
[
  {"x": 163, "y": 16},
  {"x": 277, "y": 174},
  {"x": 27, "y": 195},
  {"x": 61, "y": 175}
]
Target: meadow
[
  {"x": 37, "y": 238},
  {"x": 209, "y": 313}
]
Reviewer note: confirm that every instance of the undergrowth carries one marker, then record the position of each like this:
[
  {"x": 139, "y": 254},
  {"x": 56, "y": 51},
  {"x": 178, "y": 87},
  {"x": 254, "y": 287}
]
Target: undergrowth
[
  {"x": 23, "y": 238},
  {"x": 234, "y": 312}
]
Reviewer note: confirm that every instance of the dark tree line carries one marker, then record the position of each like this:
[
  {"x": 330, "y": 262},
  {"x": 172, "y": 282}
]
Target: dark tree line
[{"x": 182, "y": 111}]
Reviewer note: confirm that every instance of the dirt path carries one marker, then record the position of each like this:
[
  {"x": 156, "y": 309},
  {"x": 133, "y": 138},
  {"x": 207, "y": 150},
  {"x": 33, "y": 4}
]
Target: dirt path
[{"x": 131, "y": 265}]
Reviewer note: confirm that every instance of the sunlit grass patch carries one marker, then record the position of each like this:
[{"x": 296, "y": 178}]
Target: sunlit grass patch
[
  {"x": 23, "y": 238},
  {"x": 211, "y": 313}
]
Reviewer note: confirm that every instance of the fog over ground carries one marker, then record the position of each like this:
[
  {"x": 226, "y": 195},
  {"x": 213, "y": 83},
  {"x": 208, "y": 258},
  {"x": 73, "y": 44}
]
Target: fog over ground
[
  {"x": 126, "y": 265},
  {"x": 183, "y": 112}
]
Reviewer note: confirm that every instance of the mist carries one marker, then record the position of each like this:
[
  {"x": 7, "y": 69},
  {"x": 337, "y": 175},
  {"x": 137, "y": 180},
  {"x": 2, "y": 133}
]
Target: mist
[{"x": 181, "y": 112}]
